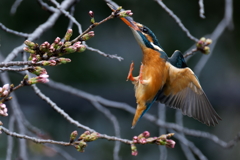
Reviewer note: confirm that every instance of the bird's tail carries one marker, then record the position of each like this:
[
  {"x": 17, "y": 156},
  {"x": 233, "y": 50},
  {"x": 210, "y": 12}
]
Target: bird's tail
[{"x": 141, "y": 110}]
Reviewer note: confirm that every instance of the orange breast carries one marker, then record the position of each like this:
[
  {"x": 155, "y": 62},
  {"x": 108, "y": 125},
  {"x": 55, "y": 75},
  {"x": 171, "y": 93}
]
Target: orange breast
[{"x": 155, "y": 71}]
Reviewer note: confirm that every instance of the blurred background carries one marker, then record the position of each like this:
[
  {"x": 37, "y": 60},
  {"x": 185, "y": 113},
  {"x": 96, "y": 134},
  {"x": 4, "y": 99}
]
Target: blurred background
[{"x": 98, "y": 75}]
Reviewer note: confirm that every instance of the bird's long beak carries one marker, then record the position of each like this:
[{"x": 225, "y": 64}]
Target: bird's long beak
[{"x": 130, "y": 22}]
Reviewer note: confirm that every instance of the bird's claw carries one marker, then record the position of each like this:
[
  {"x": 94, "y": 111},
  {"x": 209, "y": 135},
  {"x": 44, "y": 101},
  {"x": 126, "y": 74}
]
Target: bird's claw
[{"x": 130, "y": 76}]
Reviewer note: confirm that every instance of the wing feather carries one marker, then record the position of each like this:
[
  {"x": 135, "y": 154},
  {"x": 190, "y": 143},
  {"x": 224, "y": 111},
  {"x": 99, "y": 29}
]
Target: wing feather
[{"x": 183, "y": 91}]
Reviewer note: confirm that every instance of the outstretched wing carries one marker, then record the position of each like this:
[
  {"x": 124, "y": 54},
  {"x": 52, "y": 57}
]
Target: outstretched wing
[{"x": 183, "y": 91}]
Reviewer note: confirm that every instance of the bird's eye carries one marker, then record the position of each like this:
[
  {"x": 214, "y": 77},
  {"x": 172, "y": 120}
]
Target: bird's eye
[{"x": 145, "y": 30}]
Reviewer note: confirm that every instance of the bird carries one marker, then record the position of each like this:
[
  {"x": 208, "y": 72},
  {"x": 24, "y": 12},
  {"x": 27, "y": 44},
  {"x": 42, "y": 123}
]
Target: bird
[{"x": 166, "y": 79}]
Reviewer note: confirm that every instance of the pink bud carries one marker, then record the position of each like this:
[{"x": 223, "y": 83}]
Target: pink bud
[
  {"x": 91, "y": 14},
  {"x": 146, "y": 134},
  {"x": 134, "y": 153},
  {"x": 57, "y": 40},
  {"x": 34, "y": 60},
  {"x": 6, "y": 86},
  {"x": 5, "y": 92},
  {"x": 170, "y": 143},
  {"x": 2, "y": 106},
  {"x": 52, "y": 62},
  {"x": 5, "y": 110},
  {"x": 135, "y": 141},
  {"x": 129, "y": 12}
]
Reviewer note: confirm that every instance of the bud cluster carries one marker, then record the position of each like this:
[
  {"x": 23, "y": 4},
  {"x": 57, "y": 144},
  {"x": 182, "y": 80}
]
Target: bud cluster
[
  {"x": 81, "y": 142},
  {"x": 203, "y": 45},
  {"x": 87, "y": 136},
  {"x": 125, "y": 13},
  {"x": 4, "y": 94},
  {"x": 134, "y": 150},
  {"x": 141, "y": 138},
  {"x": 4, "y": 91},
  {"x": 3, "y": 110},
  {"x": 145, "y": 138},
  {"x": 46, "y": 51},
  {"x": 43, "y": 78},
  {"x": 163, "y": 140}
]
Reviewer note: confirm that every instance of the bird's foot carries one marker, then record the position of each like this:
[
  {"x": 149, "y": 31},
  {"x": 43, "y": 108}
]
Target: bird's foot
[{"x": 130, "y": 76}]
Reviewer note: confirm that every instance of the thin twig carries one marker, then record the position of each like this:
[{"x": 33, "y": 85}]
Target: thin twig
[
  {"x": 190, "y": 53},
  {"x": 16, "y": 69},
  {"x": 36, "y": 140},
  {"x": 177, "y": 20},
  {"x": 93, "y": 26},
  {"x": 104, "y": 54},
  {"x": 70, "y": 25},
  {"x": 201, "y": 10},
  {"x": 67, "y": 14},
  {"x": 21, "y": 34},
  {"x": 45, "y": 6},
  {"x": 15, "y": 5}
]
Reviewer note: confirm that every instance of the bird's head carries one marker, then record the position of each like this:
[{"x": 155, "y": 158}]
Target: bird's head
[{"x": 144, "y": 36}]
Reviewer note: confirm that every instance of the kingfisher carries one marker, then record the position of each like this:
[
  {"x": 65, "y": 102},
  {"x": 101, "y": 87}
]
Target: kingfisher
[{"x": 166, "y": 79}]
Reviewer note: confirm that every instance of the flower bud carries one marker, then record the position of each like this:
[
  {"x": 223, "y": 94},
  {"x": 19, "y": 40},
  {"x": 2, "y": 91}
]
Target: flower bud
[
  {"x": 67, "y": 44},
  {"x": 81, "y": 48},
  {"x": 68, "y": 35},
  {"x": 70, "y": 49},
  {"x": 134, "y": 150},
  {"x": 87, "y": 36},
  {"x": 206, "y": 50},
  {"x": 146, "y": 134},
  {"x": 30, "y": 44},
  {"x": 38, "y": 71},
  {"x": 32, "y": 81},
  {"x": 170, "y": 143},
  {"x": 125, "y": 13},
  {"x": 91, "y": 14},
  {"x": 73, "y": 136},
  {"x": 82, "y": 146},
  {"x": 52, "y": 62},
  {"x": 203, "y": 39},
  {"x": 64, "y": 60},
  {"x": 57, "y": 40},
  {"x": 3, "y": 110},
  {"x": 163, "y": 137},
  {"x": 208, "y": 41},
  {"x": 29, "y": 50},
  {"x": 119, "y": 8},
  {"x": 5, "y": 87}
]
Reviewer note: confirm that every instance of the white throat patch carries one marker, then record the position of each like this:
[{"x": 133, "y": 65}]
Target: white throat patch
[{"x": 156, "y": 47}]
